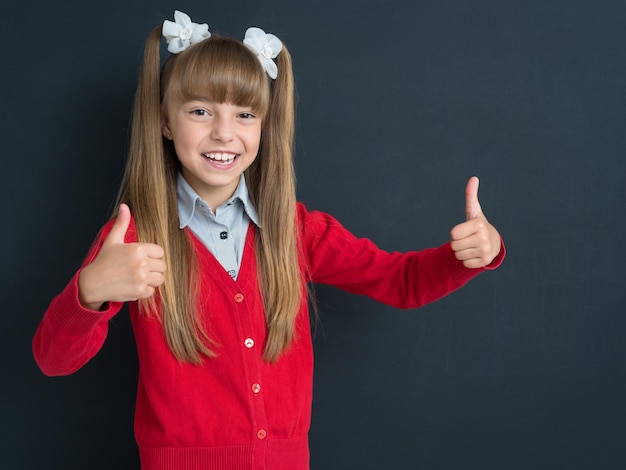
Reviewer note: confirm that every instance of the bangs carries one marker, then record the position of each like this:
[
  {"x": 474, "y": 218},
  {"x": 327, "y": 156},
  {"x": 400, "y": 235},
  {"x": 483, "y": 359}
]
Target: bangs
[{"x": 219, "y": 69}]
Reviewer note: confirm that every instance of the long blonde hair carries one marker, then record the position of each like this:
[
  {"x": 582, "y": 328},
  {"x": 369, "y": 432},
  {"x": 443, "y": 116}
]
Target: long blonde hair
[{"x": 227, "y": 71}]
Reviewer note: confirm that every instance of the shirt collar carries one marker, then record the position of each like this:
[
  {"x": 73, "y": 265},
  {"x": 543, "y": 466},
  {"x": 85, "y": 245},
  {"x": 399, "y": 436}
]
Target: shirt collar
[{"x": 188, "y": 199}]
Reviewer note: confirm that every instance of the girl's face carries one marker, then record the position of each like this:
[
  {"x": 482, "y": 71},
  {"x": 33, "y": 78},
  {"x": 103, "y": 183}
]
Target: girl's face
[{"x": 215, "y": 143}]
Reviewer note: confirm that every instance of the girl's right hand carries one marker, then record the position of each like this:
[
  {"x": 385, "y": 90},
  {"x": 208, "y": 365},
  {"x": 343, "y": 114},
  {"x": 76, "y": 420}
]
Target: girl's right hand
[{"x": 122, "y": 271}]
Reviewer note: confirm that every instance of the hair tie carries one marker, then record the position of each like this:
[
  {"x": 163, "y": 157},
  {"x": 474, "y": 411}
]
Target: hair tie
[
  {"x": 183, "y": 33},
  {"x": 266, "y": 47}
]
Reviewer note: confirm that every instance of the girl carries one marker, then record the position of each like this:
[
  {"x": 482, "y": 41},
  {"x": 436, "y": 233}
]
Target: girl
[{"x": 214, "y": 255}]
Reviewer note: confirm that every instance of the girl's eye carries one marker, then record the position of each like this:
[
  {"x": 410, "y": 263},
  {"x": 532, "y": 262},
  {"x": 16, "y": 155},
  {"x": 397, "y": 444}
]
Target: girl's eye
[
  {"x": 200, "y": 112},
  {"x": 247, "y": 116}
]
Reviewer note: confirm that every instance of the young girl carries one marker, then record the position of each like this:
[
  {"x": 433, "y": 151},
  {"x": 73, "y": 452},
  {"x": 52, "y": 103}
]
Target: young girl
[{"x": 214, "y": 254}]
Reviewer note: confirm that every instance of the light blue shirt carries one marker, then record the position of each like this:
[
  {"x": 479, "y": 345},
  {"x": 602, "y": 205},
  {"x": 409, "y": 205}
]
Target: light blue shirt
[{"x": 223, "y": 232}]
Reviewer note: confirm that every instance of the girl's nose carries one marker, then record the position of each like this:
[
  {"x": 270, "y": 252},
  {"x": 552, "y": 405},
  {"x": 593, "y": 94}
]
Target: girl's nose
[{"x": 222, "y": 130}]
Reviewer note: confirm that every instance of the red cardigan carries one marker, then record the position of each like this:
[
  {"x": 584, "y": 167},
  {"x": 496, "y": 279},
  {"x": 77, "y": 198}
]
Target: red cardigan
[{"x": 237, "y": 411}]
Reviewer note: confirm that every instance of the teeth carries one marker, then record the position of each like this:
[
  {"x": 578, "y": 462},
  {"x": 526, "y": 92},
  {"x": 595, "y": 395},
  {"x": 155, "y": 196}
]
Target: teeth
[{"x": 221, "y": 157}]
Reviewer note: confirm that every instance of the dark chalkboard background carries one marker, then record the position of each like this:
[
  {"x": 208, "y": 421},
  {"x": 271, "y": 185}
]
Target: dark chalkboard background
[{"x": 399, "y": 103}]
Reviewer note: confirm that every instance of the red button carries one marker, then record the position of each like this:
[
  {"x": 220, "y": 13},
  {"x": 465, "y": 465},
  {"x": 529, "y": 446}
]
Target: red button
[
  {"x": 256, "y": 388},
  {"x": 238, "y": 297},
  {"x": 262, "y": 434}
]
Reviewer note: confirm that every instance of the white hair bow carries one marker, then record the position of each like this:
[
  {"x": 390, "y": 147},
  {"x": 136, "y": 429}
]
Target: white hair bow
[
  {"x": 182, "y": 33},
  {"x": 266, "y": 47}
]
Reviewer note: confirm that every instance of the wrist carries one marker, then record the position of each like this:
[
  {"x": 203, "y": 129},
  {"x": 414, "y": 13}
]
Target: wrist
[{"x": 86, "y": 299}]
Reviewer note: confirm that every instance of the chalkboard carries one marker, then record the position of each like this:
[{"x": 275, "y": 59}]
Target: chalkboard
[{"x": 399, "y": 103}]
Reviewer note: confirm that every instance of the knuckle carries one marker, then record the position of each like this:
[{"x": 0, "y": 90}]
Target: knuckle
[
  {"x": 138, "y": 251},
  {"x": 144, "y": 292},
  {"x": 140, "y": 277}
]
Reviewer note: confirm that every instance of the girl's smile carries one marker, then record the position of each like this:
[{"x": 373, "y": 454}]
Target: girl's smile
[{"x": 221, "y": 158}]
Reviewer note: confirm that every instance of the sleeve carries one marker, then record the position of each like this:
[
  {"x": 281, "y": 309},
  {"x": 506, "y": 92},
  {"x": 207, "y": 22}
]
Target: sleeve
[
  {"x": 69, "y": 335},
  {"x": 402, "y": 280}
]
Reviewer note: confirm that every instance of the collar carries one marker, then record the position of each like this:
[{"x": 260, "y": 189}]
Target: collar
[{"x": 188, "y": 200}]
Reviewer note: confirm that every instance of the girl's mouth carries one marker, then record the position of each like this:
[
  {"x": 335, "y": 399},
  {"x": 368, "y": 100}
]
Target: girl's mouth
[{"x": 221, "y": 158}]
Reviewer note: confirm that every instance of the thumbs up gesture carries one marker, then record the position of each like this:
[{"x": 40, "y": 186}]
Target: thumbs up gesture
[
  {"x": 122, "y": 271},
  {"x": 475, "y": 242}
]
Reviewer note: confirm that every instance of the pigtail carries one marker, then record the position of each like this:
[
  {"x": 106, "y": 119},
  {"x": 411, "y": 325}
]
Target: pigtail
[
  {"x": 146, "y": 172},
  {"x": 275, "y": 197}
]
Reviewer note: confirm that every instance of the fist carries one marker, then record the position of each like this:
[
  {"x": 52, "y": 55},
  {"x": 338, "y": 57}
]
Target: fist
[
  {"x": 122, "y": 271},
  {"x": 475, "y": 242}
]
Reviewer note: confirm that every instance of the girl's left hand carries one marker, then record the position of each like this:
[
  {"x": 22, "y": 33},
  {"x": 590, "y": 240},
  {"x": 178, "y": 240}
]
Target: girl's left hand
[{"x": 475, "y": 242}]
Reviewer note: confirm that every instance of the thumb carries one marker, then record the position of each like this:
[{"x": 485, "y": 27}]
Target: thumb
[
  {"x": 472, "y": 206},
  {"x": 118, "y": 231}
]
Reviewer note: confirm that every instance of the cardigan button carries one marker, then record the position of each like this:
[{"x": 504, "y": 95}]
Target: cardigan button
[
  {"x": 262, "y": 434},
  {"x": 249, "y": 343},
  {"x": 238, "y": 297},
  {"x": 256, "y": 388}
]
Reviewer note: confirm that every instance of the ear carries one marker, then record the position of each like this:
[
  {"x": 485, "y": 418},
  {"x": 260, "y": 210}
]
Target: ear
[
  {"x": 165, "y": 129},
  {"x": 165, "y": 125}
]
